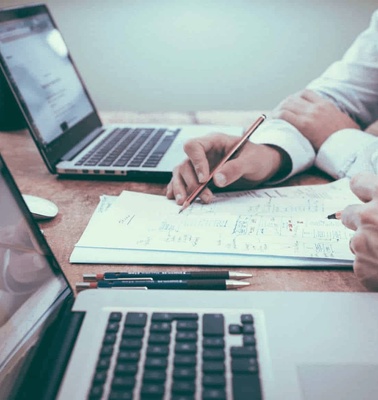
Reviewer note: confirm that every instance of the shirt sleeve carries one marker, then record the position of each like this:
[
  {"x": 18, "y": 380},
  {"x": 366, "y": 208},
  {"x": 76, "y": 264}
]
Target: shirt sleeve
[
  {"x": 348, "y": 152},
  {"x": 281, "y": 134}
]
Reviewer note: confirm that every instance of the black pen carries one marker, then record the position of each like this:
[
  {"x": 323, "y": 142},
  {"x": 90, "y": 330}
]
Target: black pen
[
  {"x": 165, "y": 275},
  {"x": 202, "y": 284}
]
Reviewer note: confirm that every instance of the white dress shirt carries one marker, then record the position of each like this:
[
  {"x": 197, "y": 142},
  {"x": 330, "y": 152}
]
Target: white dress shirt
[{"x": 352, "y": 85}]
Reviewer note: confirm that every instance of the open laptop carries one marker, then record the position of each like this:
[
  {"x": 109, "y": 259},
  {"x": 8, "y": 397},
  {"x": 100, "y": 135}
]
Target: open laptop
[
  {"x": 168, "y": 344},
  {"x": 62, "y": 117}
]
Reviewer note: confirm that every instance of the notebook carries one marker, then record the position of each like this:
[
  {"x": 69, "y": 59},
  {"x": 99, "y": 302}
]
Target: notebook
[
  {"x": 170, "y": 344},
  {"x": 62, "y": 117}
]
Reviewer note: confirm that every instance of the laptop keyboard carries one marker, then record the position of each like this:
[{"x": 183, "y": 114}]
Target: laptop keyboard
[
  {"x": 130, "y": 147},
  {"x": 178, "y": 356}
]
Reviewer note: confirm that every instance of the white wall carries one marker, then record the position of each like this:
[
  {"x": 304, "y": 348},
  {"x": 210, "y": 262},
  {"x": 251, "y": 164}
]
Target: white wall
[{"x": 158, "y": 55}]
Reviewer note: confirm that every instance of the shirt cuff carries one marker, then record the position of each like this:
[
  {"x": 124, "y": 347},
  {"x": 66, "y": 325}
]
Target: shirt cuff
[
  {"x": 281, "y": 134},
  {"x": 339, "y": 152}
]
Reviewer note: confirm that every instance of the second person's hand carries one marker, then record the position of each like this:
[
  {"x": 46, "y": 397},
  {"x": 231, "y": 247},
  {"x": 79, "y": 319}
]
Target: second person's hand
[{"x": 254, "y": 164}]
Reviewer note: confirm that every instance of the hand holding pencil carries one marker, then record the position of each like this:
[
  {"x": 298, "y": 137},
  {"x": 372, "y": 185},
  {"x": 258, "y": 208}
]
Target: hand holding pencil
[{"x": 252, "y": 165}]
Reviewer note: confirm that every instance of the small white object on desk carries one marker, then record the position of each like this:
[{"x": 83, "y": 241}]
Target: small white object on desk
[{"x": 42, "y": 209}]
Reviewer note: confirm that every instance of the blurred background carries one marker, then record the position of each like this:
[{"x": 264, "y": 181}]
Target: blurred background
[{"x": 175, "y": 55}]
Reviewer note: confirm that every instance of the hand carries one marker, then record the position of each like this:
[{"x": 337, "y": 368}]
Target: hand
[
  {"x": 251, "y": 166},
  {"x": 363, "y": 219},
  {"x": 316, "y": 118}
]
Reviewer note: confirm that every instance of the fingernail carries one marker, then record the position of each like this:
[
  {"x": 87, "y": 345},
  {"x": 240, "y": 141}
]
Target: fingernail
[
  {"x": 178, "y": 197},
  {"x": 200, "y": 177},
  {"x": 220, "y": 179}
]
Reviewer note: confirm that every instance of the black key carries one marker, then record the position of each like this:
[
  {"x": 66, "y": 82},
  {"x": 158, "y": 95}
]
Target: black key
[
  {"x": 187, "y": 348},
  {"x": 213, "y": 325},
  {"x": 246, "y": 319},
  {"x": 125, "y": 369},
  {"x": 130, "y": 344},
  {"x": 213, "y": 354},
  {"x": 214, "y": 380},
  {"x": 213, "y": 367},
  {"x": 136, "y": 319},
  {"x": 187, "y": 326},
  {"x": 157, "y": 351},
  {"x": 100, "y": 377},
  {"x": 103, "y": 363},
  {"x": 128, "y": 356},
  {"x": 237, "y": 351},
  {"x": 184, "y": 373},
  {"x": 112, "y": 327},
  {"x": 235, "y": 329},
  {"x": 183, "y": 387},
  {"x": 156, "y": 363},
  {"x": 244, "y": 365},
  {"x": 133, "y": 332},
  {"x": 186, "y": 336},
  {"x": 96, "y": 392},
  {"x": 149, "y": 389},
  {"x": 213, "y": 342},
  {"x": 248, "y": 329},
  {"x": 115, "y": 316},
  {"x": 161, "y": 327},
  {"x": 106, "y": 350},
  {"x": 159, "y": 338},
  {"x": 123, "y": 382},
  {"x": 246, "y": 386},
  {"x": 215, "y": 394},
  {"x": 154, "y": 375},
  {"x": 110, "y": 338},
  {"x": 184, "y": 360},
  {"x": 121, "y": 395},
  {"x": 249, "y": 340}
]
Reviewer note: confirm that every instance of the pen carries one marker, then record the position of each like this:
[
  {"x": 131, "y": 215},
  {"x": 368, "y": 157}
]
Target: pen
[
  {"x": 202, "y": 284},
  {"x": 336, "y": 215},
  {"x": 165, "y": 275},
  {"x": 189, "y": 200}
]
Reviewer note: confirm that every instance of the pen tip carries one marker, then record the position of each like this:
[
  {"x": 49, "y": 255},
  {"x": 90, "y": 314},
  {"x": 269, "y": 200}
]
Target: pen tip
[
  {"x": 230, "y": 284},
  {"x": 239, "y": 275}
]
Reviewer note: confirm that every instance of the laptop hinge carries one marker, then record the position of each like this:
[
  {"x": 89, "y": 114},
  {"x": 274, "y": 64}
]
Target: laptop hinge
[
  {"x": 70, "y": 155},
  {"x": 51, "y": 356}
]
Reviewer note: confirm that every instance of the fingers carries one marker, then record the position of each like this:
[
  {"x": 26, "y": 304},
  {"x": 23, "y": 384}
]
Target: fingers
[
  {"x": 350, "y": 216},
  {"x": 365, "y": 186},
  {"x": 184, "y": 181}
]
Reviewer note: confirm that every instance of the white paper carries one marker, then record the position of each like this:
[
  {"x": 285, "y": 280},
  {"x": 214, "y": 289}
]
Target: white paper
[{"x": 279, "y": 226}]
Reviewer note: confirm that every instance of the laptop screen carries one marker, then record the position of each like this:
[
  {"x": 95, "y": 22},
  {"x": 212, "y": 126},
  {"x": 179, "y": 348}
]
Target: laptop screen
[
  {"x": 37, "y": 62},
  {"x": 30, "y": 279}
]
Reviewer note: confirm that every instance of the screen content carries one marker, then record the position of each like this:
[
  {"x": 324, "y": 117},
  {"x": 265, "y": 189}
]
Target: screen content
[
  {"x": 37, "y": 59},
  {"x": 28, "y": 285}
]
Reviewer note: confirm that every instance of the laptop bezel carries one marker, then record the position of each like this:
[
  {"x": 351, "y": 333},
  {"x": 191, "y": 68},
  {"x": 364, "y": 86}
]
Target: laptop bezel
[{"x": 54, "y": 151}]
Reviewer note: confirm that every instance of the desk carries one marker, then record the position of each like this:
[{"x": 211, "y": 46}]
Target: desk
[{"x": 77, "y": 199}]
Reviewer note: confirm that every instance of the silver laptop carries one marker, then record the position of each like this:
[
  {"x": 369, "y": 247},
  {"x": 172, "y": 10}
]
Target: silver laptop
[
  {"x": 62, "y": 117},
  {"x": 168, "y": 344}
]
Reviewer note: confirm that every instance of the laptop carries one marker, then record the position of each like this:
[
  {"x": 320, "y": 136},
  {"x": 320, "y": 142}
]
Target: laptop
[
  {"x": 170, "y": 344},
  {"x": 62, "y": 117}
]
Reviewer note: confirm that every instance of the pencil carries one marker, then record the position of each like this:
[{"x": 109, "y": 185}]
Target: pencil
[
  {"x": 336, "y": 215},
  {"x": 247, "y": 134}
]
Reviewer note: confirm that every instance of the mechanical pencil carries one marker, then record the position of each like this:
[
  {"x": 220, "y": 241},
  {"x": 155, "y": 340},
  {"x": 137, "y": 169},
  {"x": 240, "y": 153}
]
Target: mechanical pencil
[{"x": 150, "y": 276}]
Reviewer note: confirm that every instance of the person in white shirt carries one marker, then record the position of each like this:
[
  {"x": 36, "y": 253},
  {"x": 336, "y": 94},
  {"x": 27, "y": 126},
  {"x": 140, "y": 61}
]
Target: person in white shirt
[{"x": 322, "y": 125}]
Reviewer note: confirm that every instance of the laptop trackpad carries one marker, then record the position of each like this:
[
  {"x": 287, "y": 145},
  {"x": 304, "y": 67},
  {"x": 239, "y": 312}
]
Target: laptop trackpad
[{"x": 343, "y": 381}]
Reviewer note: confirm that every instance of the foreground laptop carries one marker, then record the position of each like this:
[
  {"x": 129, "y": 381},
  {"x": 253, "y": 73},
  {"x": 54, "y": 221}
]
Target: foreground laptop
[
  {"x": 62, "y": 117},
  {"x": 136, "y": 344}
]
